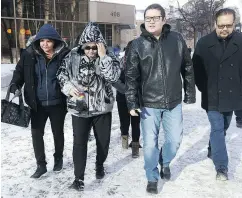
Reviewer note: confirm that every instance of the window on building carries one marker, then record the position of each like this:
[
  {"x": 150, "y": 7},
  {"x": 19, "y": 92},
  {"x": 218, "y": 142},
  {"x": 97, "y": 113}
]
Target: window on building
[
  {"x": 7, "y": 8},
  {"x": 102, "y": 29},
  {"x": 38, "y": 9},
  {"x": 72, "y": 10},
  {"x": 78, "y": 29},
  {"x": 7, "y": 40},
  {"x": 109, "y": 35}
]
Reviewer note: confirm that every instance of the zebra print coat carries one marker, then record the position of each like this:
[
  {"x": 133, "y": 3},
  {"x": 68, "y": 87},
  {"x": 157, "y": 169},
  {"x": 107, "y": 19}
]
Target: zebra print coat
[{"x": 92, "y": 77}]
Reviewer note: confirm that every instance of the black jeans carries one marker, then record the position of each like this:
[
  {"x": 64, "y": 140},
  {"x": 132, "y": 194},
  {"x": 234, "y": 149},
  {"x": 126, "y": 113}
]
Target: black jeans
[
  {"x": 56, "y": 114},
  {"x": 125, "y": 119},
  {"x": 81, "y": 127}
]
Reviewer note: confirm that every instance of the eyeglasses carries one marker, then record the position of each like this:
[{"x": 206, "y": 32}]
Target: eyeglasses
[
  {"x": 154, "y": 18},
  {"x": 91, "y": 47},
  {"x": 223, "y": 26}
]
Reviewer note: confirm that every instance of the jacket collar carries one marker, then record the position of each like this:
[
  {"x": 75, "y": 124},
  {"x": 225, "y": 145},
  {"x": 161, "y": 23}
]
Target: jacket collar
[
  {"x": 165, "y": 31},
  {"x": 215, "y": 46}
]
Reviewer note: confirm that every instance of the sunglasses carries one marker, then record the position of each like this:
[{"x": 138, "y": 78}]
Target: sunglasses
[{"x": 91, "y": 47}]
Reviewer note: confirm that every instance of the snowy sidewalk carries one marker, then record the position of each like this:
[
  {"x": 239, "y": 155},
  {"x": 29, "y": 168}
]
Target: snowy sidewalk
[
  {"x": 193, "y": 174},
  {"x": 6, "y": 74}
]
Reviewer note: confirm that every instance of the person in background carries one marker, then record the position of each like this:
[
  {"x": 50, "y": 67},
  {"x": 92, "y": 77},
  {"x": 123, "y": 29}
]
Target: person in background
[
  {"x": 36, "y": 70},
  {"x": 124, "y": 116},
  {"x": 86, "y": 76},
  {"x": 218, "y": 75}
]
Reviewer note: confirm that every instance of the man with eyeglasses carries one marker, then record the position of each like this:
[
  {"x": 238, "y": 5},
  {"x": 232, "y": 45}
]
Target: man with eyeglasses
[
  {"x": 153, "y": 71},
  {"x": 217, "y": 64}
]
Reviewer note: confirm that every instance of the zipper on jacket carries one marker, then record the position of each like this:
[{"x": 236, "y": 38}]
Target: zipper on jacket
[
  {"x": 46, "y": 69},
  {"x": 88, "y": 87},
  {"x": 164, "y": 70}
]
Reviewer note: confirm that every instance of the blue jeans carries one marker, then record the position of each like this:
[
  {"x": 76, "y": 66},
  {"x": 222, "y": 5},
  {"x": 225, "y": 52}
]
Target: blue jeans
[
  {"x": 219, "y": 124},
  {"x": 172, "y": 122}
]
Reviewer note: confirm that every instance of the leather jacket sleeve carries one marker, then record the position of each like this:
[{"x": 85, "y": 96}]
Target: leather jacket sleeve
[
  {"x": 132, "y": 74},
  {"x": 188, "y": 76}
]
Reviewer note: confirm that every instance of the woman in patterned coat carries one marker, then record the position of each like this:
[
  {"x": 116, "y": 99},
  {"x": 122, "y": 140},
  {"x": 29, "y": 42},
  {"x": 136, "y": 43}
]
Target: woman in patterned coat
[{"x": 86, "y": 76}]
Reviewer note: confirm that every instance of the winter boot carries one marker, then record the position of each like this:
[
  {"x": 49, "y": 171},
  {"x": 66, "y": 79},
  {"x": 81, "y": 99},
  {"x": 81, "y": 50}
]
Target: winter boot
[
  {"x": 152, "y": 187},
  {"x": 222, "y": 175},
  {"x": 41, "y": 169},
  {"x": 130, "y": 145},
  {"x": 135, "y": 149},
  {"x": 239, "y": 122},
  {"x": 78, "y": 185},
  {"x": 165, "y": 173},
  {"x": 125, "y": 143},
  {"x": 100, "y": 172},
  {"x": 58, "y": 164}
]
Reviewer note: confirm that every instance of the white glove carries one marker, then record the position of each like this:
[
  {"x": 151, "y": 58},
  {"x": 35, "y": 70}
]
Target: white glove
[{"x": 134, "y": 112}]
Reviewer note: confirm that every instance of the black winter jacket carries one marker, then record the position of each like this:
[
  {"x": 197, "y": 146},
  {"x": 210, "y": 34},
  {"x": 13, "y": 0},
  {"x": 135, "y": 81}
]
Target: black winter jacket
[
  {"x": 154, "y": 67},
  {"x": 218, "y": 72},
  {"x": 24, "y": 74}
]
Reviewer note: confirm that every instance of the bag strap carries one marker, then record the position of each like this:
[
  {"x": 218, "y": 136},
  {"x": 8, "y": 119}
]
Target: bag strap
[
  {"x": 8, "y": 92},
  {"x": 19, "y": 95}
]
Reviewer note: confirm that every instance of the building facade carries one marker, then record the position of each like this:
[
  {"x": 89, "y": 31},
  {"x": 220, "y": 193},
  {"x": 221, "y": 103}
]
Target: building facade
[{"x": 21, "y": 19}]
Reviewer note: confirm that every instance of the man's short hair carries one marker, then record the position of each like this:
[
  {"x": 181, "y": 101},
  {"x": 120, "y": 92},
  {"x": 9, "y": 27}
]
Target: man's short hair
[
  {"x": 156, "y": 6},
  {"x": 225, "y": 11}
]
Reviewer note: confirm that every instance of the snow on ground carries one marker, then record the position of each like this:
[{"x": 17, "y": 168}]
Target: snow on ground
[
  {"x": 6, "y": 74},
  {"x": 193, "y": 174}
]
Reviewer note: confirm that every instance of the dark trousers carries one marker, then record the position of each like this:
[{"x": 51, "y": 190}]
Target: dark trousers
[
  {"x": 125, "y": 119},
  {"x": 219, "y": 124},
  {"x": 81, "y": 127},
  {"x": 56, "y": 114}
]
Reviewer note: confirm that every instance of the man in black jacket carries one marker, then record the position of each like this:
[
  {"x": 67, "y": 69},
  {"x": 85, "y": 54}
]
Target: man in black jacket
[
  {"x": 218, "y": 75},
  {"x": 155, "y": 63}
]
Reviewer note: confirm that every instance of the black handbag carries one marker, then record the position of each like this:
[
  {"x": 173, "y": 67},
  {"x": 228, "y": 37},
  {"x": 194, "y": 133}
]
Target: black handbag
[{"x": 15, "y": 114}]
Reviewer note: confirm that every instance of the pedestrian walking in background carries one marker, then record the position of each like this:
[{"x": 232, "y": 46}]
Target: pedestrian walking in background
[{"x": 125, "y": 118}]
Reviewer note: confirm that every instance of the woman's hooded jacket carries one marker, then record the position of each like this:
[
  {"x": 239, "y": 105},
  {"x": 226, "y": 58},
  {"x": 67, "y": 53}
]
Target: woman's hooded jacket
[{"x": 92, "y": 77}]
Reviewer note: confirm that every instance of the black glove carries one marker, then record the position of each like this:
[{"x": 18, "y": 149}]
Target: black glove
[{"x": 14, "y": 88}]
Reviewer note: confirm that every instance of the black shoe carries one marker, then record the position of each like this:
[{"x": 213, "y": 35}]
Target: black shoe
[
  {"x": 100, "y": 172},
  {"x": 165, "y": 173},
  {"x": 152, "y": 187},
  {"x": 58, "y": 164},
  {"x": 239, "y": 123},
  {"x": 222, "y": 175},
  {"x": 77, "y": 185},
  {"x": 41, "y": 169}
]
